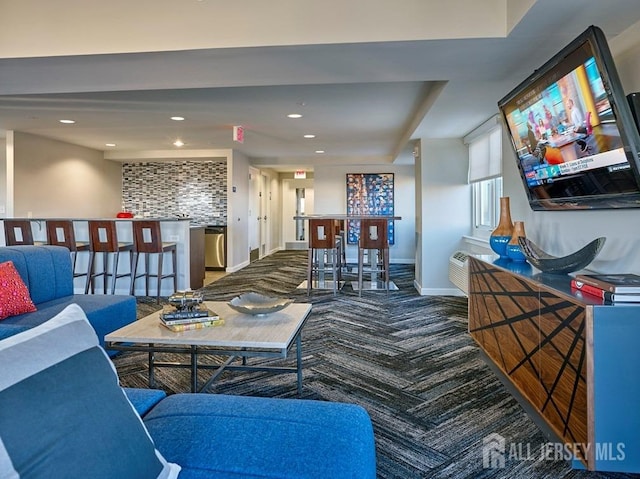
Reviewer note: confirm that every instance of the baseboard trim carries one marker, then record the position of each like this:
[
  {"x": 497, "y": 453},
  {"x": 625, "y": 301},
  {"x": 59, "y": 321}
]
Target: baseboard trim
[{"x": 437, "y": 291}]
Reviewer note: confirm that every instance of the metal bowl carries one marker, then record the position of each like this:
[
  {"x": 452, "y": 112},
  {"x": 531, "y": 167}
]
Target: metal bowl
[
  {"x": 258, "y": 304},
  {"x": 565, "y": 264}
]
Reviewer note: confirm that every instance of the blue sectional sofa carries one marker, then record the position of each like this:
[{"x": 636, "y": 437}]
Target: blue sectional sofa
[
  {"x": 46, "y": 271},
  {"x": 71, "y": 419}
]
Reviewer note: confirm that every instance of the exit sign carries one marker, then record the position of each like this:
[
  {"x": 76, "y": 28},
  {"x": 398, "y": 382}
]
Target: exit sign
[
  {"x": 238, "y": 134},
  {"x": 299, "y": 175}
]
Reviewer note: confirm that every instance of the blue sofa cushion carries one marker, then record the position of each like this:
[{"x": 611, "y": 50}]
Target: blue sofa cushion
[
  {"x": 106, "y": 313},
  {"x": 226, "y": 436},
  {"x": 143, "y": 400},
  {"x": 47, "y": 273},
  {"x": 65, "y": 416},
  {"x": 8, "y": 330}
]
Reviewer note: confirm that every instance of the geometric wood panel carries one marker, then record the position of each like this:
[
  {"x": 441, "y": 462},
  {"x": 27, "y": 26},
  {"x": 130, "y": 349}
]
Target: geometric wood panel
[{"x": 537, "y": 339}]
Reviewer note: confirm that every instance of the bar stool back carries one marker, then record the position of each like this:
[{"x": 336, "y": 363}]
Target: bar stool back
[
  {"x": 323, "y": 246},
  {"x": 62, "y": 233},
  {"x": 147, "y": 240},
  {"x": 18, "y": 232},
  {"x": 103, "y": 238},
  {"x": 374, "y": 239}
]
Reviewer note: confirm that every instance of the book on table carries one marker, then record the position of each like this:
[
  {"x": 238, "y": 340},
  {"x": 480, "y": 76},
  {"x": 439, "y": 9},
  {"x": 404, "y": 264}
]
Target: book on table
[
  {"x": 608, "y": 296},
  {"x": 614, "y": 283},
  {"x": 177, "y": 328},
  {"x": 173, "y": 316}
]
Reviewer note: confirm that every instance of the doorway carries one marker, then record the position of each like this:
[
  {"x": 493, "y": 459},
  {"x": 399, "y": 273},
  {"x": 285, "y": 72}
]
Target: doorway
[{"x": 297, "y": 199}]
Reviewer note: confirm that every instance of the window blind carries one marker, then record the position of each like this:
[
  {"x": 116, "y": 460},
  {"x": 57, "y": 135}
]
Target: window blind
[{"x": 485, "y": 155}]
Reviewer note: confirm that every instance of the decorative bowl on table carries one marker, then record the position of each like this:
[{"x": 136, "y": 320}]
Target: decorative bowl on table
[
  {"x": 560, "y": 265},
  {"x": 258, "y": 304}
]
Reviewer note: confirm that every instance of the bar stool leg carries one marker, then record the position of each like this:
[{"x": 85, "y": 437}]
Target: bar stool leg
[
  {"x": 386, "y": 270},
  {"x": 174, "y": 258},
  {"x": 114, "y": 274},
  {"x": 160, "y": 259},
  {"x": 309, "y": 270},
  {"x": 134, "y": 271},
  {"x": 360, "y": 268},
  {"x": 147, "y": 265},
  {"x": 89, "y": 272},
  {"x": 105, "y": 276}
]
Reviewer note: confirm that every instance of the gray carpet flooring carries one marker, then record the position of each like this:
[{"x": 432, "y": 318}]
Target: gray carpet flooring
[{"x": 406, "y": 358}]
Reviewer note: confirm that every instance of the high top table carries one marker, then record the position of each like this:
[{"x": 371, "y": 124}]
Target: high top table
[
  {"x": 373, "y": 284},
  {"x": 240, "y": 337}
]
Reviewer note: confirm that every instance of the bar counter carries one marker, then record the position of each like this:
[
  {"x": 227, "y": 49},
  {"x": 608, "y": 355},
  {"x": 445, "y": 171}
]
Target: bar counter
[{"x": 176, "y": 230}]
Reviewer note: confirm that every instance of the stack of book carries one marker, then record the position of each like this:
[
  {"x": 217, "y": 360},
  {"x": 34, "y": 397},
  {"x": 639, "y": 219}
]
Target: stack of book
[
  {"x": 615, "y": 288},
  {"x": 186, "y": 319}
]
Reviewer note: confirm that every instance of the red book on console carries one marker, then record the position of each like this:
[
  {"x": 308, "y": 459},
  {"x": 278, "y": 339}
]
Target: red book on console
[
  {"x": 601, "y": 293},
  {"x": 625, "y": 283}
]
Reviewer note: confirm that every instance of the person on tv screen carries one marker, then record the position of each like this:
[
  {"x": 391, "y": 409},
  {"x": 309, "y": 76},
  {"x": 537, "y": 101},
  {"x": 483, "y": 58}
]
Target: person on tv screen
[{"x": 576, "y": 116}]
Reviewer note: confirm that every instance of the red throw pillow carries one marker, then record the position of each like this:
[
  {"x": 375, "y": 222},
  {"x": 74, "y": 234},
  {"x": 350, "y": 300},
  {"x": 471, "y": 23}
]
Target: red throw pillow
[{"x": 14, "y": 295}]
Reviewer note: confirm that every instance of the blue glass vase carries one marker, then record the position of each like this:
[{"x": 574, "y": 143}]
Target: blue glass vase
[{"x": 514, "y": 250}]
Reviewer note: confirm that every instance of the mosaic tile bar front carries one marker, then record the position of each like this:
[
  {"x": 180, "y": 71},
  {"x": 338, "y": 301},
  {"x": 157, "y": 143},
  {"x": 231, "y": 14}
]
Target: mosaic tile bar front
[{"x": 197, "y": 189}]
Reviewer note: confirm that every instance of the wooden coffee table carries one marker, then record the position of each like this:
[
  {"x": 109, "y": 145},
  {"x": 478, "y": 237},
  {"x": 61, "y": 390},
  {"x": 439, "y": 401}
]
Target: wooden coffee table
[{"x": 240, "y": 337}]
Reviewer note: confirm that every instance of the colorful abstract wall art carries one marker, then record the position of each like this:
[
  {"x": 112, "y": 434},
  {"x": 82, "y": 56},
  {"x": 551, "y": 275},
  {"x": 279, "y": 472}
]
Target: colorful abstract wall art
[{"x": 369, "y": 194}]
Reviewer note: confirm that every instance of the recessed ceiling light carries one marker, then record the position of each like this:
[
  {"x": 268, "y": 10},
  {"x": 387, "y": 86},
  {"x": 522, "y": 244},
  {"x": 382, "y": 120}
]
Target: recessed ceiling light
[
  {"x": 309, "y": 136},
  {"x": 294, "y": 115},
  {"x": 177, "y": 118},
  {"x": 319, "y": 151},
  {"x": 109, "y": 144},
  {"x": 67, "y": 122},
  {"x": 178, "y": 143}
]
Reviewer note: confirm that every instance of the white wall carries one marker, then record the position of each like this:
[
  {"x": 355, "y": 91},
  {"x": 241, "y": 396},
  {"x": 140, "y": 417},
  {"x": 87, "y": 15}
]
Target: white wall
[
  {"x": 274, "y": 211},
  {"x": 445, "y": 212},
  {"x": 53, "y": 178},
  {"x": 238, "y": 210},
  {"x": 330, "y": 196}
]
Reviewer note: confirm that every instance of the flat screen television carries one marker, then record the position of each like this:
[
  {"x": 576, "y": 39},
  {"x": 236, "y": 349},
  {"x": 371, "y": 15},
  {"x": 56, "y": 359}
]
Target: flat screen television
[{"x": 572, "y": 131}]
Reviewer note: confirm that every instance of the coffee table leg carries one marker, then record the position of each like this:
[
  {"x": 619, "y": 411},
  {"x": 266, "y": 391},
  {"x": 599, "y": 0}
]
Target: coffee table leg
[
  {"x": 194, "y": 369},
  {"x": 299, "y": 361}
]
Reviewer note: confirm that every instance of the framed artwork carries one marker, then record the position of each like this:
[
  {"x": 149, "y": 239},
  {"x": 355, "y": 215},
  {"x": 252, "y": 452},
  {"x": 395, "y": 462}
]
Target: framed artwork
[{"x": 369, "y": 194}]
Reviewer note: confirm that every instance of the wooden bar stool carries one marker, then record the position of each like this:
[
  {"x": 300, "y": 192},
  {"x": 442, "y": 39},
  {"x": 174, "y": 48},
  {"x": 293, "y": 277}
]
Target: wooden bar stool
[
  {"x": 147, "y": 240},
  {"x": 373, "y": 239},
  {"x": 62, "y": 233},
  {"x": 103, "y": 238},
  {"x": 324, "y": 246},
  {"x": 18, "y": 233}
]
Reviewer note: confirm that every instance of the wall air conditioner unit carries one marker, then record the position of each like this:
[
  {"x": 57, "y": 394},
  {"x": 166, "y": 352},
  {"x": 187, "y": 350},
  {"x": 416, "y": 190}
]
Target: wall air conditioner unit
[{"x": 459, "y": 270}]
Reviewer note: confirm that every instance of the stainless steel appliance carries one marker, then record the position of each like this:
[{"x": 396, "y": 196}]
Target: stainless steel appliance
[{"x": 215, "y": 247}]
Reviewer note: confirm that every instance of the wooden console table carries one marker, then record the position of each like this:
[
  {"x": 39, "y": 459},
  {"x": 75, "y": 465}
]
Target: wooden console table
[{"x": 571, "y": 357}]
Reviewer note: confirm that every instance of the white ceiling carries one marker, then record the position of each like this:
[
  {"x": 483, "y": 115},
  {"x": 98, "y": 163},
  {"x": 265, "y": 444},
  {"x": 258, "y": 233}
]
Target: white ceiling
[{"x": 363, "y": 101}]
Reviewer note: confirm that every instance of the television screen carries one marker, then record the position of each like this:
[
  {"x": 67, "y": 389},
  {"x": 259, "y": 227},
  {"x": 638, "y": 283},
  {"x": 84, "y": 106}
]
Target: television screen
[{"x": 572, "y": 131}]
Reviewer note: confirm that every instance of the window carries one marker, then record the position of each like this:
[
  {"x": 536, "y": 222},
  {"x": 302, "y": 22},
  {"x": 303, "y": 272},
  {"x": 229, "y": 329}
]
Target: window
[
  {"x": 485, "y": 175},
  {"x": 486, "y": 204}
]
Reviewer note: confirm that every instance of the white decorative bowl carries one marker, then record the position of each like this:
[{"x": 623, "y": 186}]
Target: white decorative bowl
[{"x": 258, "y": 304}]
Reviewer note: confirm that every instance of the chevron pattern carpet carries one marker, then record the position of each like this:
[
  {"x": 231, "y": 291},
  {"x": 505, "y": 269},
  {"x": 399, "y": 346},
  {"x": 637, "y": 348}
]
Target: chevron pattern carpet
[{"x": 406, "y": 358}]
